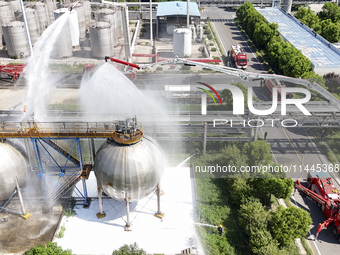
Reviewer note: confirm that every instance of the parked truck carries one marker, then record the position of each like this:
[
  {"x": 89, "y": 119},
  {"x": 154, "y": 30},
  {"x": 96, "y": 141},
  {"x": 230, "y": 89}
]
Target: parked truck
[
  {"x": 238, "y": 56},
  {"x": 322, "y": 190},
  {"x": 274, "y": 83}
]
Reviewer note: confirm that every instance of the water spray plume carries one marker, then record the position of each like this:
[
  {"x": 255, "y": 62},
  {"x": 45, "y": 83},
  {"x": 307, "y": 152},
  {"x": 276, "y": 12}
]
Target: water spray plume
[{"x": 37, "y": 70}]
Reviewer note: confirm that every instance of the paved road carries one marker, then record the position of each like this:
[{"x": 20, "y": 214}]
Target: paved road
[
  {"x": 295, "y": 146},
  {"x": 228, "y": 33},
  {"x": 289, "y": 146}
]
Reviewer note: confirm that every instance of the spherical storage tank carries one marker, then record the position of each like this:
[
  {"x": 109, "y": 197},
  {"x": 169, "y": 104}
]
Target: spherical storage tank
[
  {"x": 133, "y": 169},
  {"x": 13, "y": 166},
  {"x": 182, "y": 42}
]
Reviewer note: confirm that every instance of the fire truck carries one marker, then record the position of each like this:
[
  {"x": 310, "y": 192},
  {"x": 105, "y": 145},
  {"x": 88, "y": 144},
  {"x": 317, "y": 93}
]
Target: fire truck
[
  {"x": 322, "y": 190},
  {"x": 11, "y": 72},
  {"x": 274, "y": 83},
  {"x": 238, "y": 56}
]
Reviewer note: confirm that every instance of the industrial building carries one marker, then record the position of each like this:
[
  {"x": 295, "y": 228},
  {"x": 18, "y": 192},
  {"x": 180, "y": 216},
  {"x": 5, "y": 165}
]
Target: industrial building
[
  {"x": 171, "y": 15},
  {"x": 324, "y": 56}
]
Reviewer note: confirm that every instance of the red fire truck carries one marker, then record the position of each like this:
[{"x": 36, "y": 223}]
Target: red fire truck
[
  {"x": 238, "y": 56},
  {"x": 270, "y": 84},
  {"x": 322, "y": 190}
]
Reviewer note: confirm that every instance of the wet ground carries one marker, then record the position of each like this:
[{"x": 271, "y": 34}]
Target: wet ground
[{"x": 18, "y": 235}]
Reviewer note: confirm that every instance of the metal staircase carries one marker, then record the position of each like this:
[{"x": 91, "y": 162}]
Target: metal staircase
[
  {"x": 63, "y": 152},
  {"x": 62, "y": 190},
  {"x": 69, "y": 180}
]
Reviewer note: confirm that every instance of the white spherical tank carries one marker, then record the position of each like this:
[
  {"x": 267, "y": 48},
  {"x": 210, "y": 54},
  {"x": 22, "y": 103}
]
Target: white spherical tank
[
  {"x": 133, "y": 169},
  {"x": 13, "y": 166},
  {"x": 182, "y": 42}
]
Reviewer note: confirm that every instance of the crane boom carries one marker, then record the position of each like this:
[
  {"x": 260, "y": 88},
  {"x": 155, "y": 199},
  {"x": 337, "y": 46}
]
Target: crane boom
[{"x": 244, "y": 75}]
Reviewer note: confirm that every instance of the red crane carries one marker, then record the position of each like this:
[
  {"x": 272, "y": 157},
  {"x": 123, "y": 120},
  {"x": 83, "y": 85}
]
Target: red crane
[
  {"x": 322, "y": 190},
  {"x": 11, "y": 72}
]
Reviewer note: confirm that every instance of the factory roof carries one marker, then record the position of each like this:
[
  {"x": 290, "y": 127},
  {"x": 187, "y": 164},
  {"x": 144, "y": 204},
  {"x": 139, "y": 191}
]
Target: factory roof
[
  {"x": 177, "y": 8},
  {"x": 323, "y": 55}
]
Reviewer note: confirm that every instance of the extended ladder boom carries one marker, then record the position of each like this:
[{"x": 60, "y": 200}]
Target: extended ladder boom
[{"x": 316, "y": 197}]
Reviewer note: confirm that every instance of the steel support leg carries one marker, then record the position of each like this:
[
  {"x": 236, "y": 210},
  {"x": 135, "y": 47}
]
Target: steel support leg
[
  {"x": 128, "y": 225},
  {"x": 101, "y": 213},
  {"x": 159, "y": 213}
]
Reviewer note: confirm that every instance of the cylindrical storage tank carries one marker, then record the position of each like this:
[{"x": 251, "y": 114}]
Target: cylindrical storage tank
[
  {"x": 182, "y": 42},
  {"x": 42, "y": 14},
  {"x": 101, "y": 40},
  {"x": 13, "y": 166},
  {"x": 73, "y": 24},
  {"x": 135, "y": 169},
  {"x": 63, "y": 46},
  {"x": 33, "y": 24},
  {"x": 6, "y": 13},
  {"x": 15, "y": 39},
  {"x": 51, "y": 6},
  {"x": 287, "y": 5},
  {"x": 15, "y": 5},
  {"x": 100, "y": 14},
  {"x": 81, "y": 20},
  {"x": 87, "y": 13},
  {"x": 108, "y": 15}
]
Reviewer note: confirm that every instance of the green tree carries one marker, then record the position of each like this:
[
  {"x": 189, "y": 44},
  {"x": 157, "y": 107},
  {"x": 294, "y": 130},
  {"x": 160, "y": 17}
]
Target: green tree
[
  {"x": 239, "y": 190},
  {"x": 330, "y": 11},
  {"x": 262, "y": 242},
  {"x": 264, "y": 32},
  {"x": 332, "y": 82},
  {"x": 131, "y": 249},
  {"x": 253, "y": 217},
  {"x": 227, "y": 97},
  {"x": 266, "y": 186},
  {"x": 289, "y": 223},
  {"x": 242, "y": 13},
  {"x": 231, "y": 155},
  {"x": 330, "y": 30},
  {"x": 258, "y": 152},
  {"x": 48, "y": 249},
  {"x": 254, "y": 19},
  {"x": 308, "y": 17}
]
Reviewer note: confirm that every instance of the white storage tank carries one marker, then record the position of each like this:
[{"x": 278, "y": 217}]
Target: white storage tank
[
  {"x": 73, "y": 24},
  {"x": 109, "y": 15},
  {"x": 63, "y": 46},
  {"x": 15, "y": 39},
  {"x": 15, "y": 5},
  {"x": 87, "y": 13},
  {"x": 182, "y": 42},
  {"x": 6, "y": 12},
  {"x": 13, "y": 167},
  {"x": 42, "y": 14},
  {"x": 81, "y": 20},
  {"x": 51, "y": 7},
  {"x": 33, "y": 24},
  {"x": 286, "y": 5},
  {"x": 101, "y": 40}
]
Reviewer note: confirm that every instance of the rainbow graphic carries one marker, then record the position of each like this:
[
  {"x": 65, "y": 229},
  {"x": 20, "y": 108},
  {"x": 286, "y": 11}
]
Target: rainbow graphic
[{"x": 208, "y": 92}]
